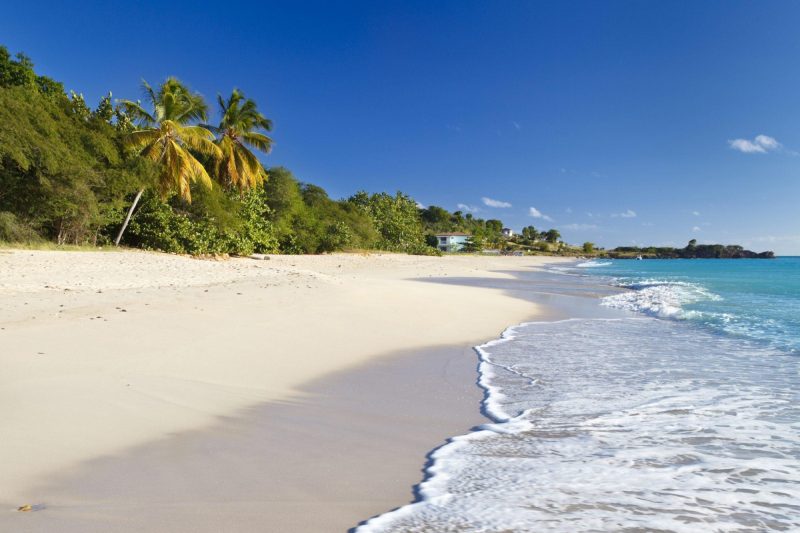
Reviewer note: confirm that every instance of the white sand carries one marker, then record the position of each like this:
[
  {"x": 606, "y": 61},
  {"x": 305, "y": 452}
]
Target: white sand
[{"x": 101, "y": 352}]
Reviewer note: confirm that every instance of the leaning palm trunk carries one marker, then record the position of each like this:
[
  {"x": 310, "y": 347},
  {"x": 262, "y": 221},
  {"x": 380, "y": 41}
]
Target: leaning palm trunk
[
  {"x": 128, "y": 218},
  {"x": 166, "y": 139}
]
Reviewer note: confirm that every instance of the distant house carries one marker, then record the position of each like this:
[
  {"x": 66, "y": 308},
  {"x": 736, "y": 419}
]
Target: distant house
[
  {"x": 508, "y": 232},
  {"x": 452, "y": 242}
]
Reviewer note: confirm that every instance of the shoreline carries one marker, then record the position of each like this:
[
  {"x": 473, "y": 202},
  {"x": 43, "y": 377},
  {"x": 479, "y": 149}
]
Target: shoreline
[
  {"x": 329, "y": 292},
  {"x": 596, "y": 416}
]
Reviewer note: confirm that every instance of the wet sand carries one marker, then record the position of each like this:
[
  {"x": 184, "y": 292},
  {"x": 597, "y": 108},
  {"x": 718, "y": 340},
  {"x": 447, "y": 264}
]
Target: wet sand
[{"x": 352, "y": 446}]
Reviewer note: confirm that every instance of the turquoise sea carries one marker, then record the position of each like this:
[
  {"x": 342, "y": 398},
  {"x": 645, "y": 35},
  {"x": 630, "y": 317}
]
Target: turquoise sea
[
  {"x": 676, "y": 409},
  {"x": 753, "y": 298}
]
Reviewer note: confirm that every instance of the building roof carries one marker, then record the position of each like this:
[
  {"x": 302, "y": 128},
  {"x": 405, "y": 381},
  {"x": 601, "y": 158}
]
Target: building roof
[{"x": 454, "y": 234}]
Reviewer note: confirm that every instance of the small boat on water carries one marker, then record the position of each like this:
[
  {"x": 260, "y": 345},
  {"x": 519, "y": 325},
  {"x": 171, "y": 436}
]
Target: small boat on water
[{"x": 638, "y": 257}]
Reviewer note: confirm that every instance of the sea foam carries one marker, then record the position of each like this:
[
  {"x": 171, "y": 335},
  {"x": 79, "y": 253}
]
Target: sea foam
[
  {"x": 660, "y": 298},
  {"x": 594, "y": 264},
  {"x": 609, "y": 425}
]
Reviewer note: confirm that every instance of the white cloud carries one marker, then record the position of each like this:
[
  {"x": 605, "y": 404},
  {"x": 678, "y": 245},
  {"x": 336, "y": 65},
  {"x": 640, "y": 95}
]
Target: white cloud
[
  {"x": 648, "y": 224},
  {"x": 696, "y": 213},
  {"x": 760, "y": 145},
  {"x": 468, "y": 208},
  {"x": 578, "y": 227},
  {"x": 696, "y": 229},
  {"x": 630, "y": 213},
  {"x": 491, "y": 202},
  {"x": 420, "y": 206},
  {"x": 516, "y": 125},
  {"x": 770, "y": 143},
  {"x": 535, "y": 213},
  {"x": 568, "y": 210}
]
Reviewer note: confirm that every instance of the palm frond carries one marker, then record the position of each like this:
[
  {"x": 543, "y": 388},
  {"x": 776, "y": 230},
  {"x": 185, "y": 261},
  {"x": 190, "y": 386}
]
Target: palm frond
[
  {"x": 154, "y": 152},
  {"x": 256, "y": 140},
  {"x": 193, "y": 131},
  {"x": 136, "y": 113},
  {"x": 200, "y": 140},
  {"x": 199, "y": 172},
  {"x": 249, "y": 167},
  {"x": 213, "y": 129},
  {"x": 138, "y": 140},
  {"x": 168, "y": 140},
  {"x": 176, "y": 172},
  {"x": 148, "y": 92}
]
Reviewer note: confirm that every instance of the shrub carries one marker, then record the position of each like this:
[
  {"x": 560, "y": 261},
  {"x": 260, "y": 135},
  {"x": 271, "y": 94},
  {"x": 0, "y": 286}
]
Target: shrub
[
  {"x": 173, "y": 226},
  {"x": 13, "y": 230}
]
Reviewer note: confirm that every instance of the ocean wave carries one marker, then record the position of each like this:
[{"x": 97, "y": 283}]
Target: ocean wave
[
  {"x": 659, "y": 298},
  {"x": 618, "y": 424},
  {"x": 593, "y": 264}
]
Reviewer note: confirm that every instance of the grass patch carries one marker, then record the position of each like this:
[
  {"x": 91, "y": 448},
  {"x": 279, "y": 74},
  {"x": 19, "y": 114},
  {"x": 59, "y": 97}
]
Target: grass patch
[{"x": 47, "y": 245}]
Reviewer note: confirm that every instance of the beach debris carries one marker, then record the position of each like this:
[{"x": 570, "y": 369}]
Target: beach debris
[
  {"x": 27, "y": 508},
  {"x": 260, "y": 257}
]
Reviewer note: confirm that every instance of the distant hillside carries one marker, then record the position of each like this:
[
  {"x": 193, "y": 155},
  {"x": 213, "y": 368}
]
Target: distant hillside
[{"x": 691, "y": 251}]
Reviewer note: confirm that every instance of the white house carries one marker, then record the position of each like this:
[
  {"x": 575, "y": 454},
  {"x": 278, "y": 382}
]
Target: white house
[
  {"x": 452, "y": 242},
  {"x": 508, "y": 232}
]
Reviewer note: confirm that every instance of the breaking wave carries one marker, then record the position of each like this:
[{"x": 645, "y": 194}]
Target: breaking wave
[{"x": 659, "y": 298}]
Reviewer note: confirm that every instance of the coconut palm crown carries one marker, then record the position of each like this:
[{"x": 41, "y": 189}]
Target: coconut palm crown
[
  {"x": 167, "y": 138},
  {"x": 239, "y": 130}
]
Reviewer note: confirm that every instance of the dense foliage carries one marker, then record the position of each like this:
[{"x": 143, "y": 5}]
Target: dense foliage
[
  {"x": 69, "y": 174},
  {"x": 397, "y": 220},
  {"x": 63, "y": 175}
]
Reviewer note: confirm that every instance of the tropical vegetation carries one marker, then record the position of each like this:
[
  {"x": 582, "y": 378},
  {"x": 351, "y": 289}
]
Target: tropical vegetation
[
  {"x": 157, "y": 175},
  {"x": 76, "y": 175}
]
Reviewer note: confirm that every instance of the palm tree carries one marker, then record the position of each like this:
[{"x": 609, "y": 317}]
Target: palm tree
[
  {"x": 238, "y": 130},
  {"x": 166, "y": 138}
]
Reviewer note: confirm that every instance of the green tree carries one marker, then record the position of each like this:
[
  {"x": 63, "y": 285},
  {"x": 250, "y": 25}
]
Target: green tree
[
  {"x": 588, "y": 247},
  {"x": 63, "y": 176},
  {"x": 436, "y": 218},
  {"x": 552, "y": 235},
  {"x": 237, "y": 131},
  {"x": 475, "y": 243},
  {"x": 18, "y": 72},
  {"x": 105, "y": 109},
  {"x": 166, "y": 138},
  {"x": 494, "y": 226},
  {"x": 529, "y": 233},
  {"x": 396, "y": 219}
]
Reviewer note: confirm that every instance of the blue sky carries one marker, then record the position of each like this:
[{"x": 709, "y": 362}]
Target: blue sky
[{"x": 615, "y": 122}]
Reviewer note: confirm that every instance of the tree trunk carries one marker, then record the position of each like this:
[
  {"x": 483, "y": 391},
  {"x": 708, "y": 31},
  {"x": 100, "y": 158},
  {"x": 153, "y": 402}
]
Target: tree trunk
[{"x": 128, "y": 218}]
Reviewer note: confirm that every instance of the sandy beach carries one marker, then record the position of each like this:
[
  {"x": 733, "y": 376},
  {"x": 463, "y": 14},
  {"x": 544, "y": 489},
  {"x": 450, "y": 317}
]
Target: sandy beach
[{"x": 112, "y": 355}]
